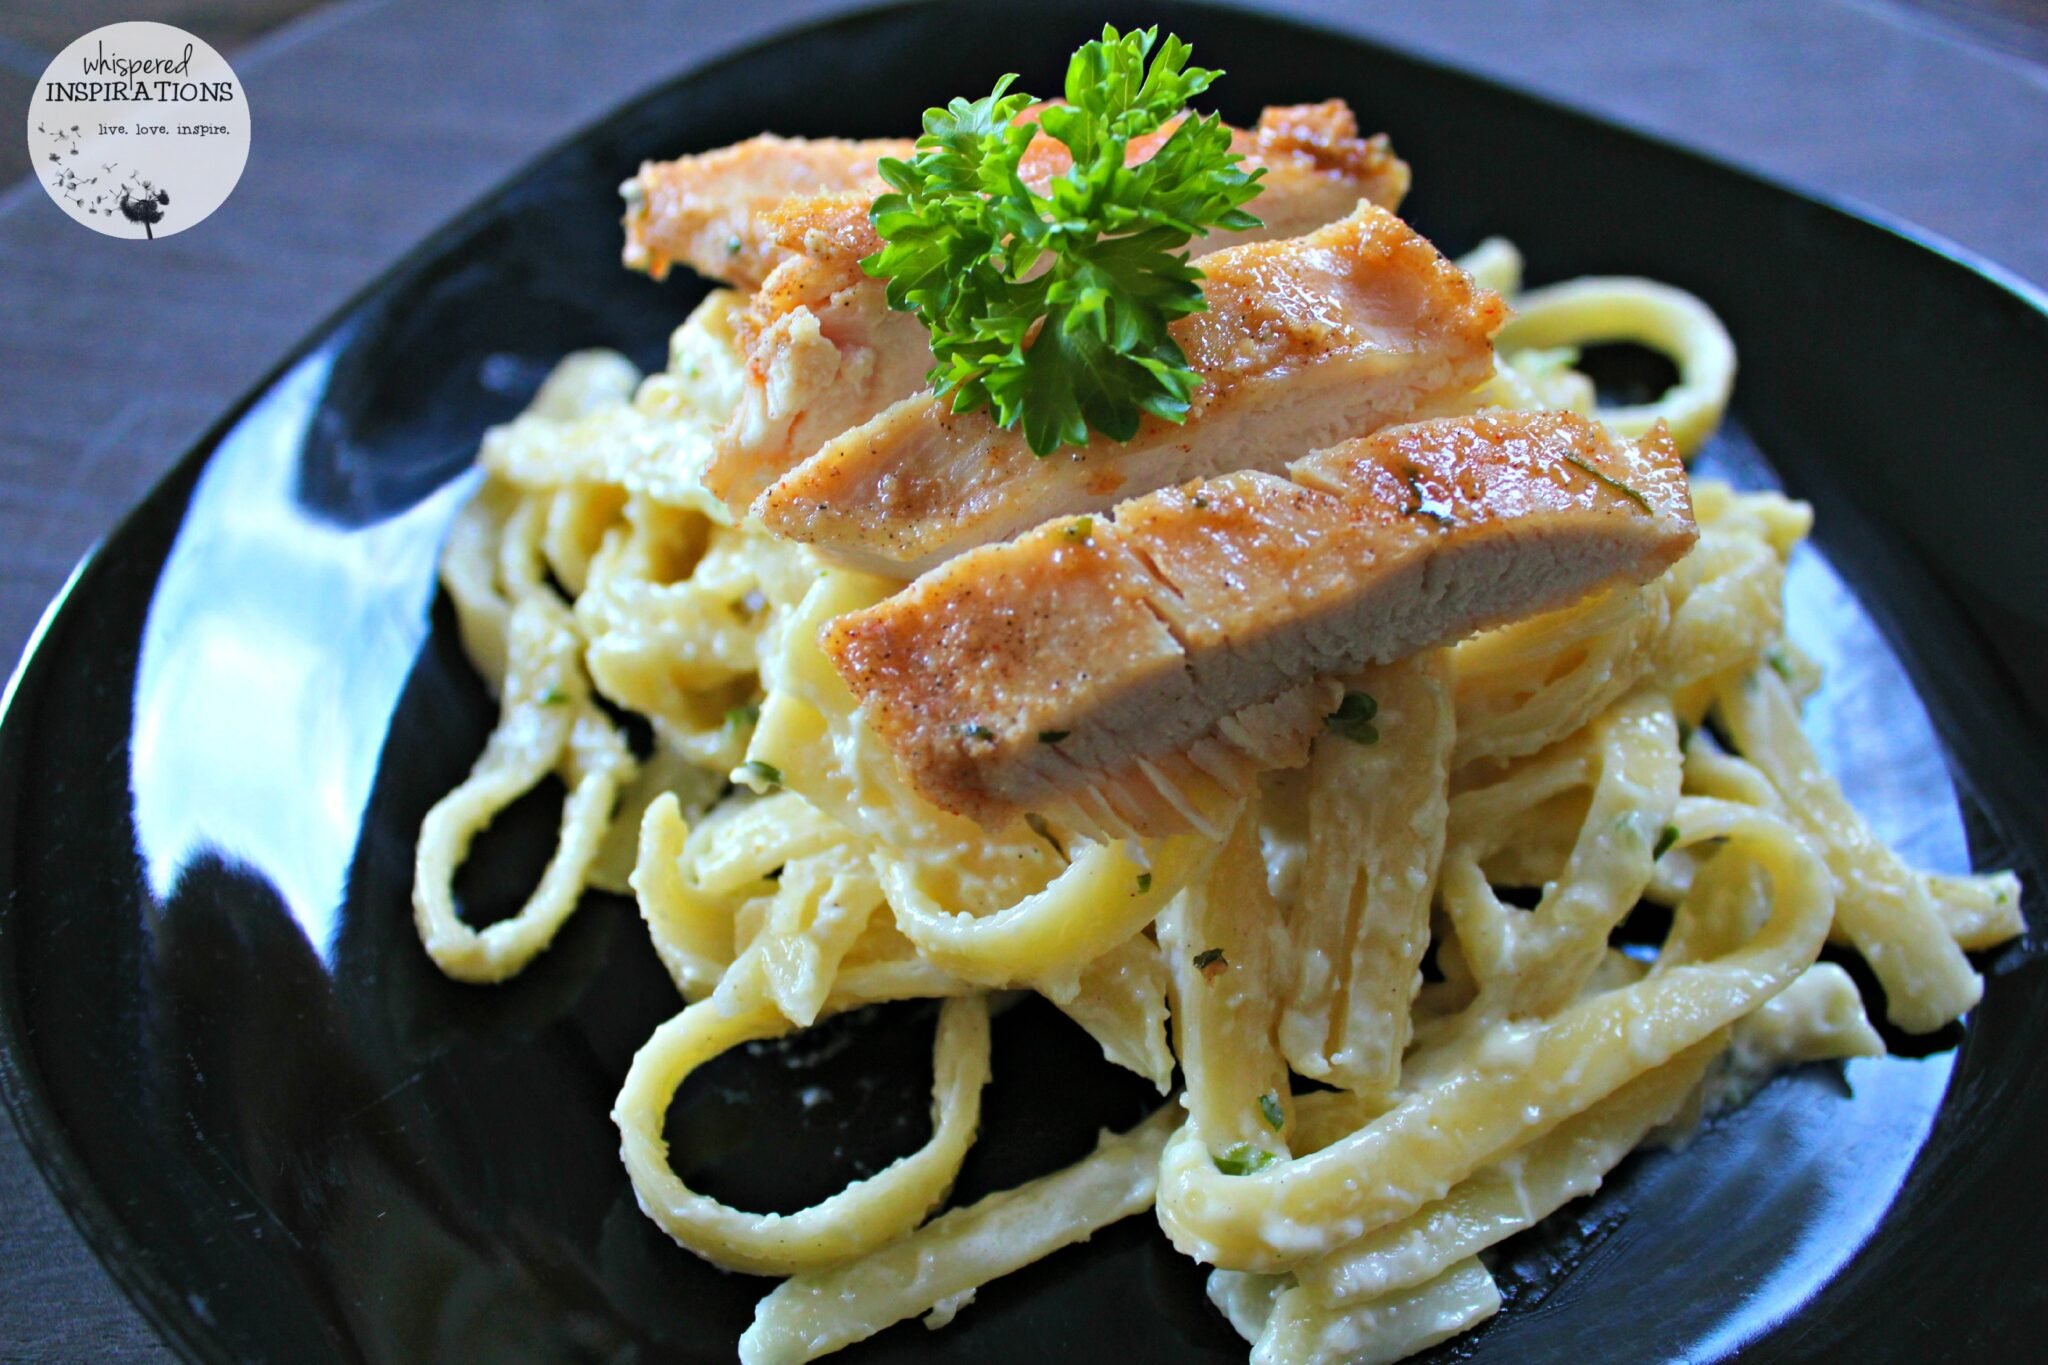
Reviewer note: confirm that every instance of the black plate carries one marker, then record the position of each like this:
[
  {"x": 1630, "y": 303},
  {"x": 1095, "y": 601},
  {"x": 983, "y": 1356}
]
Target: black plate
[{"x": 290, "y": 1139}]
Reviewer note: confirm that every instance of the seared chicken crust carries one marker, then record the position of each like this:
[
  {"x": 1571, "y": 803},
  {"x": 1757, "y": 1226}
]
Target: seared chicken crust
[
  {"x": 700, "y": 210},
  {"x": 1134, "y": 673},
  {"x": 825, "y": 353},
  {"x": 1306, "y": 342}
]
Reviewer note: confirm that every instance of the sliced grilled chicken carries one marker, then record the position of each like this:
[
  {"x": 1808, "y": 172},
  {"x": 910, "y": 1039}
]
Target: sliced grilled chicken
[
  {"x": 1316, "y": 166},
  {"x": 823, "y": 350},
  {"x": 825, "y": 354},
  {"x": 700, "y": 210},
  {"x": 1135, "y": 674},
  {"x": 1306, "y": 342}
]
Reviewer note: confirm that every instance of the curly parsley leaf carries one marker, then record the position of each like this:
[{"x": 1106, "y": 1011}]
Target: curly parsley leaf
[{"x": 1051, "y": 309}]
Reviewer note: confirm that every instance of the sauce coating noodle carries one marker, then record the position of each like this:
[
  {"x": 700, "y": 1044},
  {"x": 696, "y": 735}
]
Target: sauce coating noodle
[{"x": 786, "y": 872}]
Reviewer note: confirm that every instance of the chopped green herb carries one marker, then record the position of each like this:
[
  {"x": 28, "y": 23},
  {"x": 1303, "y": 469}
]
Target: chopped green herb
[
  {"x": 1610, "y": 481},
  {"x": 1271, "y": 1112},
  {"x": 1353, "y": 718},
  {"x": 1244, "y": 1159},
  {"x": 1081, "y": 528},
  {"x": 554, "y": 696},
  {"x": 1045, "y": 831},
  {"x": 732, "y": 246},
  {"x": 1052, "y": 736},
  {"x": 742, "y": 716},
  {"x": 1201, "y": 503},
  {"x": 767, "y": 772},
  {"x": 1209, "y": 962},
  {"x": 1780, "y": 665},
  {"x": 976, "y": 730},
  {"x": 1665, "y": 841},
  {"x": 1051, "y": 310},
  {"x": 1144, "y": 882}
]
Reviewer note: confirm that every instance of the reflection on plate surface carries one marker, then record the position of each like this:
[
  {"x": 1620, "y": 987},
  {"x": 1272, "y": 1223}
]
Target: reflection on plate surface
[
  {"x": 240, "y": 656},
  {"x": 294, "y": 1140}
]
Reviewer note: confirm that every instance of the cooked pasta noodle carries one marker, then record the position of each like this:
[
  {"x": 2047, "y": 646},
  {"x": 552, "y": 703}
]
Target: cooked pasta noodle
[
  {"x": 942, "y": 1263},
  {"x": 1642, "y": 744},
  {"x": 1655, "y": 315}
]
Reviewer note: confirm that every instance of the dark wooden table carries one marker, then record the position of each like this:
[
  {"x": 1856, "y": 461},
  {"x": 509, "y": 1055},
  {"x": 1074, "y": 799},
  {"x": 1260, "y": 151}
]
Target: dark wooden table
[{"x": 374, "y": 122}]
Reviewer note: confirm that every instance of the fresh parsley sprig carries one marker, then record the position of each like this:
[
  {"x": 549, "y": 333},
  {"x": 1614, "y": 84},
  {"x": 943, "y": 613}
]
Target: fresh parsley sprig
[{"x": 1051, "y": 309}]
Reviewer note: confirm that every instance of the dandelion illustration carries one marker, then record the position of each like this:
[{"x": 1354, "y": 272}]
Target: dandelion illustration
[
  {"x": 65, "y": 181},
  {"x": 138, "y": 198},
  {"x": 146, "y": 208}
]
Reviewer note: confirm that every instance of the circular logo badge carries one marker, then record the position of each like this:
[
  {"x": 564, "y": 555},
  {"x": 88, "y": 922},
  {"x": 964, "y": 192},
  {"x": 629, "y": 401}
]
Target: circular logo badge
[{"x": 138, "y": 130}]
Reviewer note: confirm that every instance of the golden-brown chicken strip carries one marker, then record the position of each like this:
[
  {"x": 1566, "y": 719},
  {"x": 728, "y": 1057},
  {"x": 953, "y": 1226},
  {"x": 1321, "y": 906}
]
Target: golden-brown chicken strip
[
  {"x": 825, "y": 353},
  {"x": 1134, "y": 673},
  {"x": 1305, "y": 343},
  {"x": 700, "y": 211}
]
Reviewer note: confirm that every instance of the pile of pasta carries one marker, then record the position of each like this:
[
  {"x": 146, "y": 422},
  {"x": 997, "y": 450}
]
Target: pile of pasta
[{"x": 1641, "y": 746}]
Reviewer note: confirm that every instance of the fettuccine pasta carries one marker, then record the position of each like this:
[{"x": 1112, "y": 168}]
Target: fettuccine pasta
[{"x": 1465, "y": 1065}]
